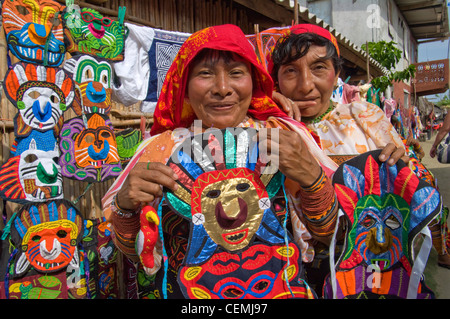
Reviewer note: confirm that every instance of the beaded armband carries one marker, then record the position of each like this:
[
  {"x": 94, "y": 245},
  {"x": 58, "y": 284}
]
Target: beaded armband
[{"x": 319, "y": 205}]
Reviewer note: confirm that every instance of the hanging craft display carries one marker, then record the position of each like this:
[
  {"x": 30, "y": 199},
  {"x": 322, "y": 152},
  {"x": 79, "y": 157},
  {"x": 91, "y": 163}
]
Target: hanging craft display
[
  {"x": 88, "y": 149},
  {"x": 92, "y": 77},
  {"x": 89, "y": 32},
  {"x": 238, "y": 248},
  {"x": 386, "y": 207},
  {"x": 41, "y": 94},
  {"x": 34, "y": 30},
  {"x": 32, "y": 176}
]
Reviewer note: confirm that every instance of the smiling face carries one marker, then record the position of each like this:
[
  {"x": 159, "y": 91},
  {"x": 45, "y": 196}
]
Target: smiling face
[
  {"x": 232, "y": 207},
  {"x": 309, "y": 80},
  {"x": 220, "y": 89}
]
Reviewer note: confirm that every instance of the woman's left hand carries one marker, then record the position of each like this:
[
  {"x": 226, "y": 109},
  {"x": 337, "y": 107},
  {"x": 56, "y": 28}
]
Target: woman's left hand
[
  {"x": 392, "y": 154},
  {"x": 287, "y": 150}
]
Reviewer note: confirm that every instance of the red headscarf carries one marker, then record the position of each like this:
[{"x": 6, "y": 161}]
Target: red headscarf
[{"x": 172, "y": 111}]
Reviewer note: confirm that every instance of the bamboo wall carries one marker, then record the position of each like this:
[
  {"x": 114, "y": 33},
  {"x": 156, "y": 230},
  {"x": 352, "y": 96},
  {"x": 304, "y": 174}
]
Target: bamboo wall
[{"x": 172, "y": 15}]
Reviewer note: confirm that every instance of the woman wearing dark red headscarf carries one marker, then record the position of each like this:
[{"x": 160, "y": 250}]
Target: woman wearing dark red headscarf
[{"x": 217, "y": 79}]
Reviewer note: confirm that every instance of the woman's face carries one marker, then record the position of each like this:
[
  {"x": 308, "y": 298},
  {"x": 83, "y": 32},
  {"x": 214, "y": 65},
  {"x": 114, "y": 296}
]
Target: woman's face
[
  {"x": 309, "y": 81},
  {"x": 220, "y": 91}
]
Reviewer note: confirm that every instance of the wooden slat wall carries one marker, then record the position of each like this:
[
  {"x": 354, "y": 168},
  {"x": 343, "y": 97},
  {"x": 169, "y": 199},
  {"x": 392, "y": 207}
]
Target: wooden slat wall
[{"x": 172, "y": 15}]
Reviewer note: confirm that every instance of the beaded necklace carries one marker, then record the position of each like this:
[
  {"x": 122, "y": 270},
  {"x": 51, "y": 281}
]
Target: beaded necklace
[{"x": 320, "y": 117}]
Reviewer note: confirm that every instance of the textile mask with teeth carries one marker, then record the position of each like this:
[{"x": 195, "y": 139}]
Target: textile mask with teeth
[
  {"x": 237, "y": 245},
  {"x": 92, "y": 77},
  {"x": 48, "y": 235},
  {"x": 89, "y": 32},
  {"x": 89, "y": 153},
  {"x": 41, "y": 95},
  {"x": 34, "y": 30},
  {"x": 386, "y": 207}
]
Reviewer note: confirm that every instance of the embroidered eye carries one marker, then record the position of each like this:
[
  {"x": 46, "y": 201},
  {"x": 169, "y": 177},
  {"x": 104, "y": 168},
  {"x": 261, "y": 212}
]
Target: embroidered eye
[
  {"x": 392, "y": 222},
  {"x": 368, "y": 222},
  {"x": 213, "y": 194},
  {"x": 106, "y": 22},
  {"x": 30, "y": 158},
  {"x": 89, "y": 139},
  {"x": 34, "y": 95},
  {"x": 242, "y": 187},
  {"x": 22, "y": 10},
  {"x": 105, "y": 135},
  {"x": 61, "y": 233},
  {"x": 36, "y": 238},
  {"x": 105, "y": 79},
  {"x": 54, "y": 98}
]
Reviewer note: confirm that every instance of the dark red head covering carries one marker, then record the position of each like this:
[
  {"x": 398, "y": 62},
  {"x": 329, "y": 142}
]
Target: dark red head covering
[
  {"x": 311, "y": 28},
  {"x": 172, "y": 111}
]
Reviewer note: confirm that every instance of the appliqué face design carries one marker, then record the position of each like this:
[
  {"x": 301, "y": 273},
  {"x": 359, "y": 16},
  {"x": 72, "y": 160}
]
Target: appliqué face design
[
  {"x": 32, "y": 176},
  {"x": 231, "y": 208},
  {"x": 380, "y": 231},
  {"x": 95, "y": 34},
  {"x": 93, "y": 78},
  {"x": 41, "y": 95},
  {"x": 30, "y": 26},
  {"x": 89, "y": 153},
  {"x": 385, "y": 208},
  {"x": 48, "y": 234}
]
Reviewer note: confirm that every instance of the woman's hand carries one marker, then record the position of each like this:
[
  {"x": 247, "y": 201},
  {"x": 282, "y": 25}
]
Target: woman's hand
[
  {"x": 287, "y": 150},
  {"x": 144, "y": 183},
  {"x": 289, "y": 106},
  {"x": 392, "y": 154}
]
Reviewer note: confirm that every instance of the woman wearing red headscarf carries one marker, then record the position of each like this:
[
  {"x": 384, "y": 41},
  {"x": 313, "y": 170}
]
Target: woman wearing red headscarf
[{"x": 217, "y": 79}]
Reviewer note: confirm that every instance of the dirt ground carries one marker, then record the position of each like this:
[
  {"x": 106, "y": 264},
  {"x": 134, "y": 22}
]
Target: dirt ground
[{"x": 437, "y": 278}]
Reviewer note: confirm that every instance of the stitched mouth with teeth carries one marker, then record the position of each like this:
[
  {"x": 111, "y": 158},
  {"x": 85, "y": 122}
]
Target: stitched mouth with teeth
[
  {"x": 236, "y": 237},
  {"x": 381, "y": 263}
]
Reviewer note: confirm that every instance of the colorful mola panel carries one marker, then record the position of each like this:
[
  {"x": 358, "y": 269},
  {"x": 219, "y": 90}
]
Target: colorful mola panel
[
  {"x": 34, "y": 30},
  {"x": 89, "y": 149},
  {"x": 34, "y": 175},
  {"x": 89, "y": 32},
  {"x": 237, "y": 247},
  {"x": 385, "y": 208},
  {"x": 48, "y": 235},
  {"x": 128, "y": 141},
  {"x": 93, "y": 81},
  {"x": 41, "y": 94}
]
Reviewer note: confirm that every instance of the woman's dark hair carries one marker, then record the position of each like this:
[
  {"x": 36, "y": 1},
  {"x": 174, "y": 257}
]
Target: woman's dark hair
[{"x": 295, "y": 46}]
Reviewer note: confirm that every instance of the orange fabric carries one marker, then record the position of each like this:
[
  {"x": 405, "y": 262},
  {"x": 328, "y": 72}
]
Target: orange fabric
[{"x": 172, "y": 111}]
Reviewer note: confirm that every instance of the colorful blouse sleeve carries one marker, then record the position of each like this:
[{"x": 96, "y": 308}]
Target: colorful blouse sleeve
[{"x": 126, "y": 228}]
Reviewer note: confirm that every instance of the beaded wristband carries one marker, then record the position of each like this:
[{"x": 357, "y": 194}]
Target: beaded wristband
[{"x": 124, "y": 213}]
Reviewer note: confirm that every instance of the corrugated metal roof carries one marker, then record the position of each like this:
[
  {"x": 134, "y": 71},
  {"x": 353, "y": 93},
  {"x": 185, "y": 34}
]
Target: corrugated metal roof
[{"x": 426, "y": 19}]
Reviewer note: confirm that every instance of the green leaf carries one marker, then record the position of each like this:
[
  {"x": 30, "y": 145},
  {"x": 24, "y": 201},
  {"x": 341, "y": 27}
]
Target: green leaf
[
  {"x": 49, "y": 281},
  {"x": 43, "y": 293}
]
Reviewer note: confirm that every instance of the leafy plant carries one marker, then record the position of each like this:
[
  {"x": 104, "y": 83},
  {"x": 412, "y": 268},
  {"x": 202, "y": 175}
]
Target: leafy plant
[
  {"x": 444, "y": 100},
  {"x": 388, "y": 55}
]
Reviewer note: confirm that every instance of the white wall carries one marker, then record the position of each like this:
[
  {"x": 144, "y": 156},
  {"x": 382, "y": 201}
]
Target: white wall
[{"x": 366, "y": 20}]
